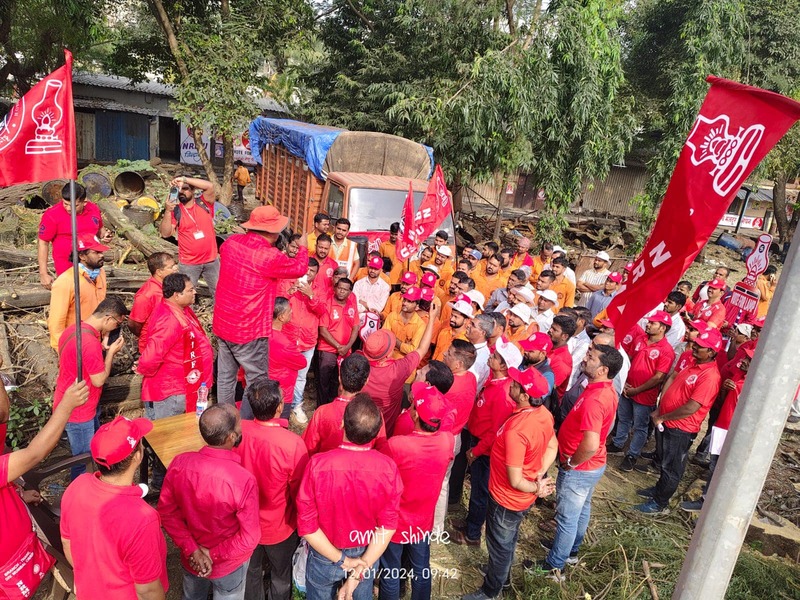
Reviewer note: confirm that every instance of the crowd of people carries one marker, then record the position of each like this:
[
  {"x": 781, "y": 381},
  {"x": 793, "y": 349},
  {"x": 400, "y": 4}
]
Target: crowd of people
[{"x": 496, "y": 363}]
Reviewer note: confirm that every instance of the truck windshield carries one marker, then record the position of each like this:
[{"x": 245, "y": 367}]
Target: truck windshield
[{"x": 376, "y": 210}]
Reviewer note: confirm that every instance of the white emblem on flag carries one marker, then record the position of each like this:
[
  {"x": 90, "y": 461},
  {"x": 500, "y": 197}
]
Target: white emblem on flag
[{"x": 47, "y": 118}]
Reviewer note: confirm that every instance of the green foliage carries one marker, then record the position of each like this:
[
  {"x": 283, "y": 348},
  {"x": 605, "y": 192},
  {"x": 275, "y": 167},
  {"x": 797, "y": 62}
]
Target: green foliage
[{"x": 25, "y": 419}]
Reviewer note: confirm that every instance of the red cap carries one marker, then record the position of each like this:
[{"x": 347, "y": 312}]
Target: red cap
[
  {"x": 87, "y": 241},
  {"x": 710, "y": 339},
  {"x": 615, "y": 277},
  {"x": 628, "y": 267},
  {"x": 413, "y": 293},
  {"x": 699, "y": 325},
  {"x": 428, "y": 294},
  {"x": 534, "y": 384},
  {"x": 750, "y": 351},
  {"x": 266, "y": 218},
  {"x": 429, "y": 402},
  {"x": 537, "y": 342},
  {"x": 376, "y": 262},
  {"x": 717, "y": 283},
  {"x": 430, "y": 279},
  {"x": 115, "y": 441},
  {"x": 759, "y": 322},
  {"x": 607, "y": 323},
  {"x": 409, "y": 277},
  {"x": 379, "y": 344},
  {"x": 660, "y": 317}
]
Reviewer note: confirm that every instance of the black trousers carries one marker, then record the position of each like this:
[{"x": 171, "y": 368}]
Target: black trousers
[
  {"x": 459, "y": 470},
  {"x": 673, "y": 450},
  {"x": 327, "y": 375}
]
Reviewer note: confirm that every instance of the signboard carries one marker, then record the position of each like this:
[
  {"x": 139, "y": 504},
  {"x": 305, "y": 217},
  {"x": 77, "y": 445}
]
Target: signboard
[
  {"x": 730, "y": 220},
  {"x": 241, "y": 148},
  {"x": 742, "y": 306}
]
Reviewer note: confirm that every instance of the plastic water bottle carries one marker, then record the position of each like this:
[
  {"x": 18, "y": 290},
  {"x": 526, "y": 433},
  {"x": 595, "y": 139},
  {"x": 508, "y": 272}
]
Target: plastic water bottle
[{"x": 202, "y": 399}]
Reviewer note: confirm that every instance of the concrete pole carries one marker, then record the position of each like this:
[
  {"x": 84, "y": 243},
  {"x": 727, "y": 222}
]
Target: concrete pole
[{"x": 750, "y": 446}]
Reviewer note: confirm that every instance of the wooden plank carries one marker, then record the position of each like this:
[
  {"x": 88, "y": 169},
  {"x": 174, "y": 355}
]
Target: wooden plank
[
  {"x": 173, "y": 436},
  {"x": 5, "y": 354},
  {"x": 122, "y": 388}
]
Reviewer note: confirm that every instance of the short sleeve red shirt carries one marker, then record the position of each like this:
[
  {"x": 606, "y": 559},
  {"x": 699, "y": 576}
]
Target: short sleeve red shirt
[
  {"x": 339, "y": 320},
  {"x": 145, "y": 301},
  {"x": 561, "y": 365},
  {"x": 686, "y": 359},
  {"x": 461, "y": 398},
  {"x": 385, "y": 386},
  {"x": 197, "y": 239},
  {"x": 56, "y": 227},
  {"x": 419, "y": 457},
  {"x": 649, "y": 359},
  {"x": 132, "y": 551},
  {"x": 713, "y": 314},
  {"x": 731, "y": 399},
  {"x": 594, "y": 411},
  {"x": 521, "y": 442},
  {"x": 15, "y": 521},
  {"x": 699, "y": 383},
  {"x": 93, "y": 364}
]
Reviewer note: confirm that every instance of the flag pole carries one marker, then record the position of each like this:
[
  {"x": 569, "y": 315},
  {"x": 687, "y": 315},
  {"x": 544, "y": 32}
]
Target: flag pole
[{"x": 76, "y": 278}]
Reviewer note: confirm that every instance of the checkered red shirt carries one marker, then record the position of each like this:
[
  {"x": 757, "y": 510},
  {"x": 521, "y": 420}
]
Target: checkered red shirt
[{"x": 248, "y": 280}]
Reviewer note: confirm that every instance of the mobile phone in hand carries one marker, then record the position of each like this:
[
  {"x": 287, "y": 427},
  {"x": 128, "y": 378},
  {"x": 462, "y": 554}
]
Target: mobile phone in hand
[
  {"x": 113, "y": 336},
  {"x": 173, "y": 194}
]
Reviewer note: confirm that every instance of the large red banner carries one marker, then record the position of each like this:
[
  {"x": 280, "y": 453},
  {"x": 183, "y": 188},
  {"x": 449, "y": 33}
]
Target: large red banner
[
  {"x": 37, "y": 136},
  {"x": 432, "y": 211},
  {"x": 736, "y": 127}
]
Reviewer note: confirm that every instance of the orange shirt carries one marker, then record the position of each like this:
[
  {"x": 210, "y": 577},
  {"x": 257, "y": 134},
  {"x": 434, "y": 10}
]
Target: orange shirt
[
  {"x": 566, "y": 292},
  {"x": 393, "y": 305},
  {"x": 62, "y": 301},
  {"x": 408, "y": 334},
  {"x": 523, "y": 333},
  {"x": 388, "y": 250},
  {"x": 486, "y": 284},
  {"x": 537, "y": 268},
  {"x": 445, "y": 339}
]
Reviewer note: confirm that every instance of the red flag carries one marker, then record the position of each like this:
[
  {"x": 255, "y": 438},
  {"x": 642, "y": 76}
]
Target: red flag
[
  {"x": 736, "y": 127},
  {"x": 37, "y": 137},
  {"x": 433, "y": 209}
]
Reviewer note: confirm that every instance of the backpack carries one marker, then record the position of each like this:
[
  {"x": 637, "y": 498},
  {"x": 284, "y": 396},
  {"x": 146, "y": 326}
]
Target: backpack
[{"x": 176, "y": 212}]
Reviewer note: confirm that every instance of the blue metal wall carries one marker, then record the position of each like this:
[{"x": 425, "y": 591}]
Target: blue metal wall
[{"x": 121, "y": 136}]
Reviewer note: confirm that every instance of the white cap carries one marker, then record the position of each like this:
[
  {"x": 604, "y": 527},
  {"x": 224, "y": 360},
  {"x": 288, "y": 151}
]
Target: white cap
[
  {"x": 509, "y": 351},
  {"x": 559, "y": 249},
  {"x": 463, "y": 307},
  {"x": 477, "y": 297},
  {"x": 524, "y": 293},
  {"x": 549, "y": 295},
  {"x": 745, "y": 329},
  {"x": 602, "y": 255},
  {"x": 523, "y": 311},
  {"x": 431, "y": 267},
  {"x": 444, "y": 250}
]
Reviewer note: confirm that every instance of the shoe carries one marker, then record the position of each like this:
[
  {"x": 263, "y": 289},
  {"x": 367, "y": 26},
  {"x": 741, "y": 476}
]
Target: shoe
[
  {"x": 572, "y": 560},
  {"x": 651, "y": 507},
  {"x": 793, "y": 419},
  {"x": 484, "y": 568},
  {"x": 647, "y": 466},
  {"x": 543, "y": 568},
  {"x": 300, "y": 414},
  {"x": 648, "y": 455},
  {"x": 691, "y": 506},
  {"x": 647, "y": 492},
  {"x": 702, "y": 459},
  {"x": 612, "y": 448},
  {"x": 477, "y": 595},
  {"x": 548, "y": 526},
  {"x": 460, "y": 538},
  {"x": 627, "y": 464}
]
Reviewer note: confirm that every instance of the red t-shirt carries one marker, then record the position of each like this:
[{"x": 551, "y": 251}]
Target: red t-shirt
[
  {"x": 521, "y": 442},
  {"x": 197, "y": 239},
  {"x": 713, "y": 314},
  {"x": 324, "y": 431},
  {"x": 461, "y": 398},
  {"x": 277, "y": 458},
  {"x": 731, "y": 399},
  {"x": 15, "y": 522},
  {"x": 649, "y": 359},
  {"x": 594, "y": 411},
  {"x": 111, "y": 526},
  {"x": 339, "y": 321},
  {"x": 631, "y": 338},
  {"x": 686, "y": 359},
  {"x": 93, "y": 364},
  {"x": 561, "y": 365},
  {"x": 56, "y": 227},
  {"x": 285, "y": 361},
  {"x": 348, "y": 493},
  {"x": 699, "y": 383},
  {"x": 491, "y": 410},
  {"x": 385, "y": 386},
  {"x": 145, "y": 301},
  {"x": 419, "y": 457}
]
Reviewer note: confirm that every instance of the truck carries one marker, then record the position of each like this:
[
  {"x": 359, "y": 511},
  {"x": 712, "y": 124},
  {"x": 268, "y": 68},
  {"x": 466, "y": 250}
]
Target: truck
[{"x": 303, "y": 169}]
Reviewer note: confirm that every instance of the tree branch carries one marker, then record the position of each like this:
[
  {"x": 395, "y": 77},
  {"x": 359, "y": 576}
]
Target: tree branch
[
  {"x": 512, "y": 25},
  {"x": 367, "y": 23},
  {"x": 160, "y": 13}
]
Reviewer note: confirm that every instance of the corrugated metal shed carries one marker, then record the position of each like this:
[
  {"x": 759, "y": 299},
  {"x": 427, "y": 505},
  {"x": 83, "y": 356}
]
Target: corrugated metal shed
[
  {"x": 122, "y": 135},
  {"x": 613, "y": 195}
]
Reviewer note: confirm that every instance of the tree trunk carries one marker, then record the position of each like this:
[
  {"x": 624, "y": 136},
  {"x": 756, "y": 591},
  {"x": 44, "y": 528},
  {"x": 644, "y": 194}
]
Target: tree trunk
[
  {"x": 146, "y": 244},
  {"x": 458, "y": 195},
  {"x": 202, "y": 154},
  {"x": 779, "y": 206},
  {"x": 226, "y": 187},
  {"x": 512, "y": 25}
]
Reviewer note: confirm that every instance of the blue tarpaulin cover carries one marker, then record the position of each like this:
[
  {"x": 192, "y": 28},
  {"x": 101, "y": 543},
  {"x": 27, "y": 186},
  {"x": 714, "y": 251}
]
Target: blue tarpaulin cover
[{"x": 304, "y": 140}]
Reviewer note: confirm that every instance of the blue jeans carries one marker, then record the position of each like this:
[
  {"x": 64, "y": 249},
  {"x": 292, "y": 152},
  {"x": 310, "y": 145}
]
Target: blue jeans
[
  {"x": 230, "y": 587},
  {"x": 632, "y": 415},
  {"x": 300, "y": 385},
  {"x": 672, "y": 446},
  {"x": 323, "y": 577},
  {"x": 80, "y": 437},
  {"x": 419, "y": 554},
  {"x": 502, "y": 532},
  {"x": 478, "y": 495},
  {"x": 573, "y": 508}
]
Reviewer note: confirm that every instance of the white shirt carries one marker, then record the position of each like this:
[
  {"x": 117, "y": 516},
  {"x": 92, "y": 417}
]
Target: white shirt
[
  {"x": 374, "y": 294},
  {"x": 592, "y": 277},
  {"x": 544, "y": 320},
  {"x": 676, "y": 332},
  {"x": 480, "y": 368},
  {"x": 570, "y": 274},
  {"x": 622, "y": 376},
  {"x": 578, "y": 347}
]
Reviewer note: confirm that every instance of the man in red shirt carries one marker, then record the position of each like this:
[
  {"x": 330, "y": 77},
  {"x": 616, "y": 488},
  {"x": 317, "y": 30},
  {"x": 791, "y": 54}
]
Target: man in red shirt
[
  {"x": 150, "y": 295},
  {"x": 338, "y": 331},
  {"x": 55, "y": 228},
  {"x": 525, "y": 448},
  {"x": 491, "y": 410},
  {"x": 287, "y": 358},
  {"x": 277, "y": 458},
  {"x": 347, "y": 537},
  {"x": 684, "y": 406},
  {"x": 712, "y": 311},
  {"x": 131, "y": 547},
  {"x": 18, "y": 534},
  {"x": 249, "y": 273},
  {"x": 324, "y": 431},
  {"x": 582, "y": 456},
  {"x": 321, "y": 251},
  {"x": 192, "y": 220},
  {"x": 652, "y": 358},
  {"x": 560, "y": 332},
  {"x": 209, "y": 507},
  {"x": 424, "y": 454},
  {"x": 84, "y": 421}
]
